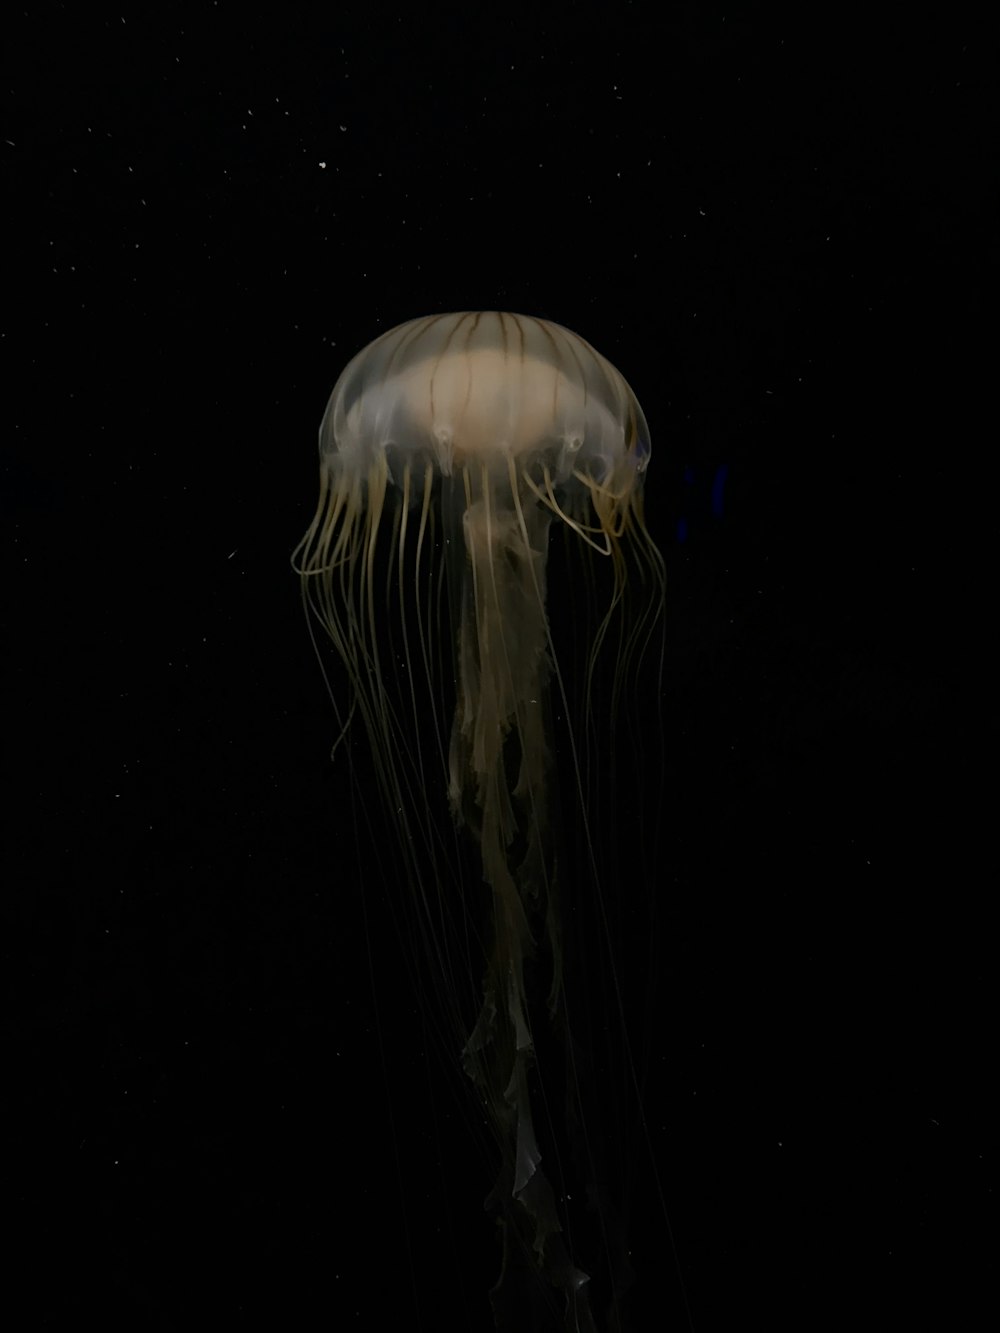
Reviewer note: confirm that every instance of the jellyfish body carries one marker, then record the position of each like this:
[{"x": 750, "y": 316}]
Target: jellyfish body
[{"x": 449, "y": 448}]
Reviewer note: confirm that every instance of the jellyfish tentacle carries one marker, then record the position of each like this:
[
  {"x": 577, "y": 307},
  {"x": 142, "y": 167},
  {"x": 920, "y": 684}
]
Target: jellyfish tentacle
[{"x": 501, "y": 757}]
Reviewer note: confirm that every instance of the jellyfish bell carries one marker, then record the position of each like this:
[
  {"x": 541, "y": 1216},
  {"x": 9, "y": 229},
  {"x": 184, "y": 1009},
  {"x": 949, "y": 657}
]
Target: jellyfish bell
[{"x": 450, "y": 448}]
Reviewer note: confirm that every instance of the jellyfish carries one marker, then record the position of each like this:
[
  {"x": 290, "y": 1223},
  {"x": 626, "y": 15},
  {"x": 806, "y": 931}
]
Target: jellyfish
[{"x": 455, "y": 451}]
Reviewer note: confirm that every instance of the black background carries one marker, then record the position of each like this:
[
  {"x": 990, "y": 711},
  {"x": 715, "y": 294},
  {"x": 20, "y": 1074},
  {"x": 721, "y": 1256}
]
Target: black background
[{"x": 777, "y": 229}]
